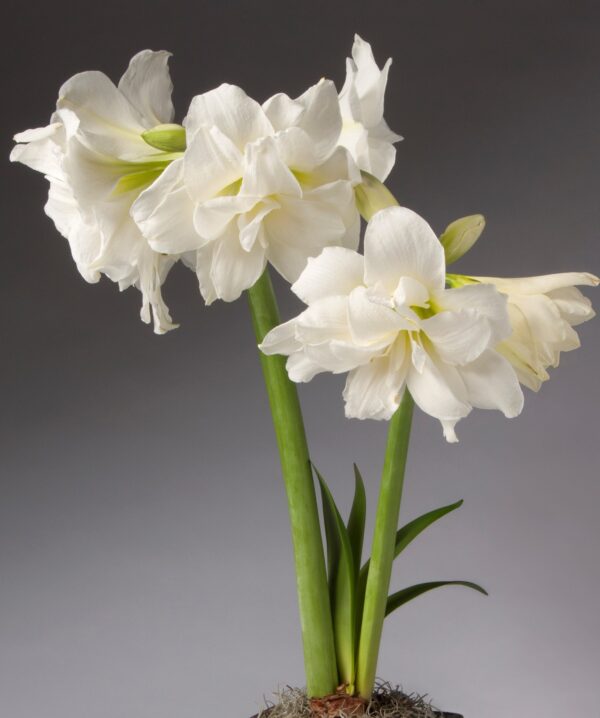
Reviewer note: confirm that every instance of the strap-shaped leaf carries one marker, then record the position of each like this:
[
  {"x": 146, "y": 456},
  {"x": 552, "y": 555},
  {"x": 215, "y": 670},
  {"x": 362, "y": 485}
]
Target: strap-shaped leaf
[
  {"x": 342, "y": 577},
  {"x": 357, "y": 519},
  {"x": 407, "y": 594},
  {"x": 404, "y": 536}
]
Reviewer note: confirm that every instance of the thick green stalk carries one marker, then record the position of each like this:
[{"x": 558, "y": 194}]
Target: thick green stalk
[
  {"x": 311, "y": 576},
  {"x": 384, "y": 540}
]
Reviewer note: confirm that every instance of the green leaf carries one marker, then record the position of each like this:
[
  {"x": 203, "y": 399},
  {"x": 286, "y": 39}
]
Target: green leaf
[
  {"x": 342, "y": 581},
  {"x": 357, "y": 519},
  {"x": 406, "y": 535},
  {"x": 407, "y": 594}
]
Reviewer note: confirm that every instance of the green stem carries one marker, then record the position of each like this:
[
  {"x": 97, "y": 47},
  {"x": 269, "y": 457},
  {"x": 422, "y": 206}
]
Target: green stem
[
  {"x": 384, "y": 540},
  {"x": 311, "y": 576}
]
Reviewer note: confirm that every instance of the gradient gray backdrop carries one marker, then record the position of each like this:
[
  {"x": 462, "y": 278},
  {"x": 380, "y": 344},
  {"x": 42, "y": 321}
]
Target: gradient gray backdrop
[{"x": 146, "y": 569}]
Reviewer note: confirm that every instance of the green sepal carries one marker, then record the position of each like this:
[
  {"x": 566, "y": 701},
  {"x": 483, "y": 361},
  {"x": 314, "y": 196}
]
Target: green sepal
[
  {"x": 342, "y": 583},
  {"x": 460, "y": 235},
  {"x": 168, "y": 138},
  {"x": 407, "y": 594}
]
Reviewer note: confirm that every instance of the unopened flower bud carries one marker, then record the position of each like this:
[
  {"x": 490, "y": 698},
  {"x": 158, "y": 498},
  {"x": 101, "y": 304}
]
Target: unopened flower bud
[
  {"x": 461, "y": 235},
  {"x": 169, "y": 138},
  {"x": 372, "y": 196}
]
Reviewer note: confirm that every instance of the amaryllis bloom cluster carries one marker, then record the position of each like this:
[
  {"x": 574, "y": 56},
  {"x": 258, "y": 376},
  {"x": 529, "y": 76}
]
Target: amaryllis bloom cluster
[
  {"x": 97, "y": 162},
  {"x": 388, "y": 320},
  {"x": 241, "y": 185},
  {"x": 256, "y": 184}
]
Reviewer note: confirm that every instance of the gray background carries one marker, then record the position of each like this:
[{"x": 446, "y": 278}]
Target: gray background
[{"x": 145, "y": 566}]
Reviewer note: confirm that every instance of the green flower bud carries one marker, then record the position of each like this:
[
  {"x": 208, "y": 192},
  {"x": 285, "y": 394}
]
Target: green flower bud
[
  {"x": 372, "y": 195},
  {"x": 169, "y": 138},
  {"x": 461, "y": 235}
]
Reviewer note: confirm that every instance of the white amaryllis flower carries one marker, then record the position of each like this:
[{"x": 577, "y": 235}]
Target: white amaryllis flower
[
  {"x": 364, "y": 131},
  {"x": 389, "y": 321},
  {"x": 257, "y": 184},
  {"x": 543, "y": 311},
  {"x": 97, "y": 162}
]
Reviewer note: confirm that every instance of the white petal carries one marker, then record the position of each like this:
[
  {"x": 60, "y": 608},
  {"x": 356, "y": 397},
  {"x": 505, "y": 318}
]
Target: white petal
[
  {"x": 323, "y": 321},
  {"x": 410, "y": 293},
  {"x": 212, "y": 217},
  {"x": 336, "y": 270},
  {"x": 458, "y": 337},
  {"x": 381, "y": 157},
  {"x": 573, "y": 306},
  {"x": 281, "y": 339},
  {"x": 321, "y": 119},
  {"x": 147, "y": 85},
  {"x": 400, "y": 243},
  {"x": 541, "y": 284},
  {"x": 229, "y": 108},
  {"x": 491, "y": 383},
  {"x": 299, "y": 230},
  {"x": 251, "y": 226},
  {"x": 485, "y": 299},
  {"x": 107, "y": 121},
  {"x": 203, "y": 259},
  {"x": 439, "y": 391},
  {"x": 338, "y": 356},
  {"x": 164, "y": 213},
  {"x": 152, "y": 270},
  {"x": 372, "y": 323},
  {"x": 233, "y": 269},
  {"x": 211, "y": 164},
  {"x": 301, "y": 368},
  {"x": 264, "y": 172},
  {"x": 370, "y": 82},
  {"x": 374, "y": 391},
  {"x": 41, "y": 149},
  {"x": 282, "y": 111}
]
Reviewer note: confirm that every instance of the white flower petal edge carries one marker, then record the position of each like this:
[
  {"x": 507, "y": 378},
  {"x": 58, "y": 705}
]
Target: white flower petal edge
[
  {"x": 262, "y": 184},
  {"x": 388, "y": 320},
  {"x": 364, "y": 131},
  {"x": 542, "y": 312},
  {"x": 97, "y": 163}
]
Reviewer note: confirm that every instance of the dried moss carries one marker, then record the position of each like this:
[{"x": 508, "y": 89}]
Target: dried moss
[{"x": 387, "y": 702}]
